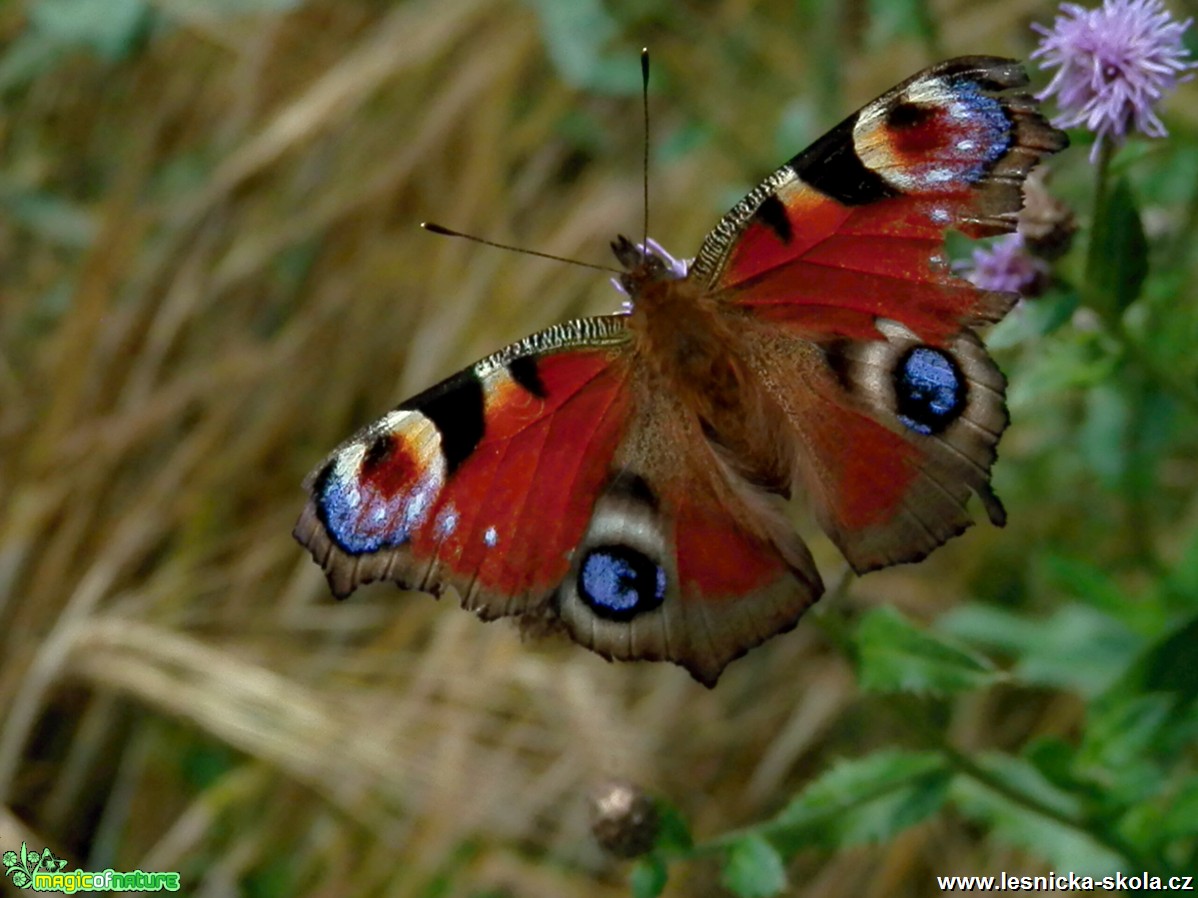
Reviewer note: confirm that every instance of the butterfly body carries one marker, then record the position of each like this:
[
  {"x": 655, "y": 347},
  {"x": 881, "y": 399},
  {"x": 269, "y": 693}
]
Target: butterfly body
[
  {"x": 688, "y": 345},
  {"x": 624, "y": 477}
]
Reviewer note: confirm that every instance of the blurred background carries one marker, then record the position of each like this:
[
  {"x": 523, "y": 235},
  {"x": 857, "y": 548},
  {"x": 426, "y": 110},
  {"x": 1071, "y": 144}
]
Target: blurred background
[{"x": 211, "y": 272}]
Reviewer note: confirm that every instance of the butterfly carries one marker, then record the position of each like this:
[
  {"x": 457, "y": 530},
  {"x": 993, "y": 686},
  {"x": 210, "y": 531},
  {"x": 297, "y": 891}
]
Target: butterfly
[{"x": 625, "y": 477}]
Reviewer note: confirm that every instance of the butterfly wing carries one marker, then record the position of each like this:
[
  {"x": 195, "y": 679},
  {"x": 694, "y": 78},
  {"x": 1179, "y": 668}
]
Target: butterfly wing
[
  {"x": 483, "y": 482},
  {"x": 852, "y": 229},
  {"x": 682, "y": 560},
  {"x": 553, "y": 483},
  {"x": 853, "y": 319},
  {"x": 893, "y": 435}
]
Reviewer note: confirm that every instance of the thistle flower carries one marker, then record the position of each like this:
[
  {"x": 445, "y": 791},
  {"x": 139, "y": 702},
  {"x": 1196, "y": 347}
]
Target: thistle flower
[
  {"x": 1007, "y": 266},
  {"x": 1115, "y": 64}
]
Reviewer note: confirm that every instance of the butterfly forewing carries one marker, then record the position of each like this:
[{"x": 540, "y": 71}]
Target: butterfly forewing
[
  {"x": 852, "y": 229},
  {"x": 485, "y": 481}
]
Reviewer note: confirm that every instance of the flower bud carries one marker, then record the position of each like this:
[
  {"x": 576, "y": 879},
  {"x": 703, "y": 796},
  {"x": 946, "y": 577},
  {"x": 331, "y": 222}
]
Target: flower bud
[
  {"x": 624, "y": 819},
  {"x": 1046, "y": 223}
]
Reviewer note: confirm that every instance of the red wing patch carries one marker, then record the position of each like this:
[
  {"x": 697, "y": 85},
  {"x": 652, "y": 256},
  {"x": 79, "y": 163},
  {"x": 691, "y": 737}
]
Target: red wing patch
[
  {"x": 523, "y": 499},
  {"x": 860, "y": 471},
  {"x": 840, "y": 282},
  {"x": 718, "y": 560}
]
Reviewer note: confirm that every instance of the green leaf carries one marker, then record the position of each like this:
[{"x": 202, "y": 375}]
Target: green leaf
[
  {"x": 673, "y": 835},
  {"x": 1022, "y": 825},
  {"x": 52, "y": 218},
  {"x": 109, "y": 27},
  {"x": 1118, "y": 259},
  {"x": 753, "y": 868},
  {"x": 576, "y": 34},
  {"x": 26, "y": 57},
  {"x": 1075, "y": 648},
  {"x": 1076, "y": 360},
  {"x": 1105, "y": 432},
  {"x": 1053, "y": 758},
  {"x": 891, "y": 20},
  {"x": 1138, "y": 728},
  {"x": 242, "y": 7},
  {"x": 648, "y": 877},
  {"x": 1118, "y": 749},
  {"x": 1173, "y": 177},
  {"x": 1181, "y": 585},
  {"x": 1179, "y": 819},
  {"x": 1034, "y": 320},
  {"x": 896, "y": 656},
  {"x": 868, "y": 799},
  {"x": 1082, "y": 579},
  {"x": 1168, "y": 666}
]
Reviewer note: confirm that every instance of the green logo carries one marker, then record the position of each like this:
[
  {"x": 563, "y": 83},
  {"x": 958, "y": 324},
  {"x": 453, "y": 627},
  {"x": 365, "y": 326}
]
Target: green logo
[
  {"x": 43, "y": 872},
  {"x": 23, "y": 867}
]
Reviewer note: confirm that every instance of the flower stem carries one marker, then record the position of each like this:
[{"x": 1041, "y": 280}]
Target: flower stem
[
  {"x": 1095, "y": 297},
  {"x": 1178, "y": 388}
]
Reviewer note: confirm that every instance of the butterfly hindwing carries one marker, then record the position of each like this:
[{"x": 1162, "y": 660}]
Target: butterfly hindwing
[
  {"x": 894, "y": 435},
  {"x": 682, "y": 560}
]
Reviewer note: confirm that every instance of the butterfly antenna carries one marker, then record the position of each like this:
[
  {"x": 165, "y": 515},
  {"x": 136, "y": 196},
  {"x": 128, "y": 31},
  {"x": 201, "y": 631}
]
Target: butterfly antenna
[
  {"x": 449, "y": 232},
  {"x": 645, "y": 161}
]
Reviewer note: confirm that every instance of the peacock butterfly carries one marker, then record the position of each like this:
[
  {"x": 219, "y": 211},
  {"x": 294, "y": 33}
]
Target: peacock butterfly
[{"x": 624, "y": 476}]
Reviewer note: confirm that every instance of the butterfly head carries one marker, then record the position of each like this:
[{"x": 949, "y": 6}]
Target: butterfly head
[{"x": 644, "y": 263}]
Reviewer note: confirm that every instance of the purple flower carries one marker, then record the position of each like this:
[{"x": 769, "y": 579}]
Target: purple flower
[
  {"x": 1006, "y": 265},
  {"x": 1115, "y": 64}
]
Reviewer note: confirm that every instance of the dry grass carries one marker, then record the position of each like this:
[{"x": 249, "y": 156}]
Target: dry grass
[{"x": 245, "y": 285}]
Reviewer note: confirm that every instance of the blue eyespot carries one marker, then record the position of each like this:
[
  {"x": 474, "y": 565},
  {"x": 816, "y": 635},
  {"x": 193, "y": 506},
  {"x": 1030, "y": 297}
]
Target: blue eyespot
[
  {"x": 949, "y": 142},
  {"x": 988, "y": 127},
  {"x": 620, "y": 583},
  {"x": 362, "y": 515},
  {"x": 929, "y": 390}
]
